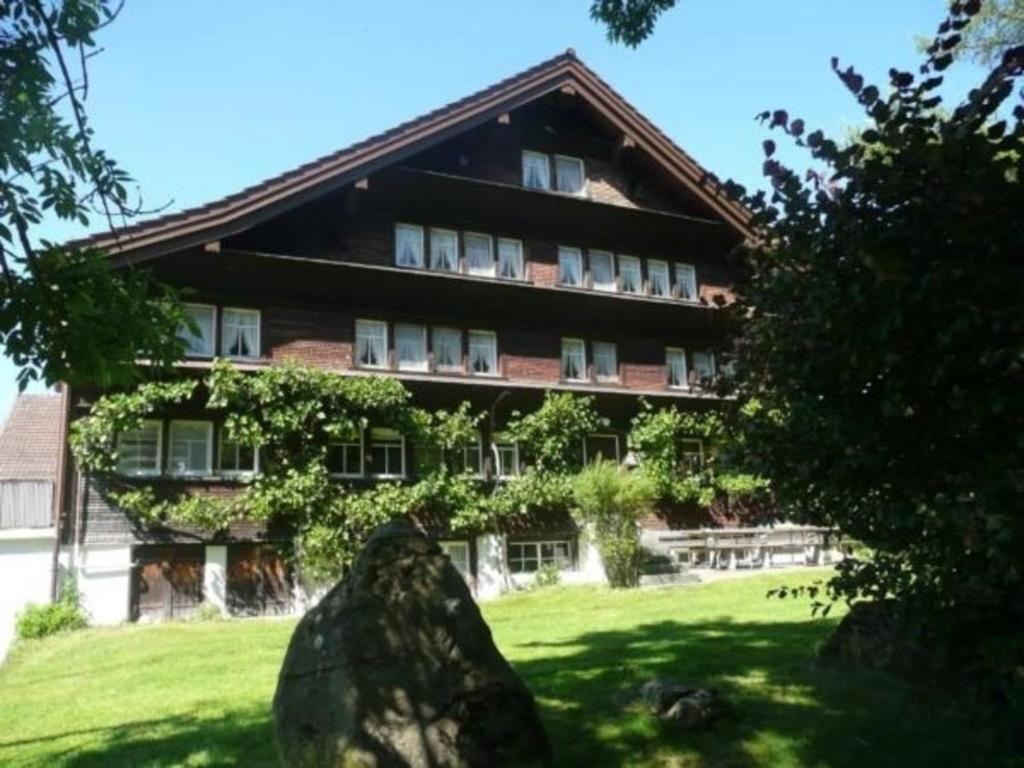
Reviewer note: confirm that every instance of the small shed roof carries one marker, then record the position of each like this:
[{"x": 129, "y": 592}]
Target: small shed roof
[{"x": 30, "y": 439}]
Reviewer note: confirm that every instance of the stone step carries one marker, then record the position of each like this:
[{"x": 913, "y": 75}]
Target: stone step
[{"x": 668, "y": 579}]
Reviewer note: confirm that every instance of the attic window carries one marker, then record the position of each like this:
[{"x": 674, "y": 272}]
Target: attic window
[
  {"x": 569, "y": 174},
  {"x": 536, "y": 170}
]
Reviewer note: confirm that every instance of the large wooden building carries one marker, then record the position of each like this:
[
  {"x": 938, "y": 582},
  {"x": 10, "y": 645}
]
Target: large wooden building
[{"x": 538, "y": 235}]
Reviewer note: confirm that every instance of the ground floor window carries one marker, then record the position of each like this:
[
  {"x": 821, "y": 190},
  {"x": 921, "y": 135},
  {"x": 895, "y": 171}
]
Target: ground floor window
[
  {"x": 529, "y": 556},
  {"x": 387, "y": 453},
  {"x": 458, "y": 553}
]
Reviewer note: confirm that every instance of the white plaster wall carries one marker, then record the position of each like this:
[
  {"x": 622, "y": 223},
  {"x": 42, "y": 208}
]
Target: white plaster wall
[
  {"x": 590, "y": 568},
  {"x": 26, "y": 557},
  {"x": 215, "y": 578},
  {"x": 493, "y": 578},
  {"x": 104, "y": 582},
  {"x": 490, "y": 566}
]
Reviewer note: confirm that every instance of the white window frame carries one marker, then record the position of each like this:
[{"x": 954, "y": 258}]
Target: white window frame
[
  {"x": 699, "y": 453},
  {"x": 664, "y": 269},
  {"x": 583, "y": 351},
  {"x": 153, "y": 471},
  {"x": 711, "y": 359},
  {"x": 434, "y": 231},
  {"x": 462, "y": 546},
  {"x": 583, "y": 175},
  {"x": 610, "y": 286},
  {"x": 242, "y": 473},
  {"x": 459, "y": 366},
  {"x": 691, "y": 272},
  {"x": 519, "y": 259},
  {"x": 422, "y": 366},
  {"x": 208, "y": 469},
  {"x": 259, "y": 332},
  {"x": 685, "y": 382},
  {"x": 477, "y": 446},
  {"x": 212, "y": 341},
  {"x": 487, "y": 271},
  {"x": 614, "y": 436},
  {"x": 499, "y": 442},
  {"x": 536, "y": 546},
  {"x": 631, "y": 260},
  {"x": 361, "y": 442},
  {"x": 366, "y": 322},
  {"x": 494, "y": 347},
  {"x": 411, "y": 227},
  {"x": 576, "y": 254},
  {"x": 547, "y": 161},
  {"x": 388, "y": 441},
  {"x": 605, "y": 346}
]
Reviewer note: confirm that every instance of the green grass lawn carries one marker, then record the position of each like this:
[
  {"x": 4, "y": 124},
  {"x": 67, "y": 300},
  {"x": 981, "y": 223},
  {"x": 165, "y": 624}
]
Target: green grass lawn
[{"x": 199, "y": 693}]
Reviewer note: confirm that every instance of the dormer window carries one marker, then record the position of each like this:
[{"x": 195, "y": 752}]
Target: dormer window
[
  {"x": 408, "y": 245},
  {"x": 569, "y": 174},
  {"x": 536, "y": 170}
]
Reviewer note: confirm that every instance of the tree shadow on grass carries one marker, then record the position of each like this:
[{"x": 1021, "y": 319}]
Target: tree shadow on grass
[{"x": 789, "y": 711}]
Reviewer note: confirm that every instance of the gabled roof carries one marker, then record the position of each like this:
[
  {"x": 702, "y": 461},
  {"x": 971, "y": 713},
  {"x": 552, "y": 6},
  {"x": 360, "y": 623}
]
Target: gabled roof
[
  {"x": 30, "y": 440},
  {"x": 239, "y": 211}
]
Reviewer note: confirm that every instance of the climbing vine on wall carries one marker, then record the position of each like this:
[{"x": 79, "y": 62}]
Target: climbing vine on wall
[{"x": 292, "y": 414}]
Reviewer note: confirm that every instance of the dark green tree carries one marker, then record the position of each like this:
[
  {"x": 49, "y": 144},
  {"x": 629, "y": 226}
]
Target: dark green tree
[
  {"x": 65, "y": 315},
  {"x": 883, "y": 347}
]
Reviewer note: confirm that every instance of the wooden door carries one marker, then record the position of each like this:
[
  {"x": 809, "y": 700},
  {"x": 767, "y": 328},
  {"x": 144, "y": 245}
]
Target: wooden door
[
  {"x": 167, "y": 581},
  {"x": 259, "y": 579}
]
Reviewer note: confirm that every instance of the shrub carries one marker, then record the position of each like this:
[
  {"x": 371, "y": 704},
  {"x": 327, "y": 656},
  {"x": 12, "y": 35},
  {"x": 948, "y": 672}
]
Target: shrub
[
  {"x": 612, "y": 500},
  {"x": 63, "y": 615},
  {"x": 547, "y": 575}
]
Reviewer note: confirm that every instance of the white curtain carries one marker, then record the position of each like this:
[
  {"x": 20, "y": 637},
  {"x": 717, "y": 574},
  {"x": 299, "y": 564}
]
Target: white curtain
[
  {"x": 411, "y": 347},
  {"x": 510, "y": 259},
  {"x": 657, "y": 273},
  {"x": 605, "y": 362},
  {"x": 447, "y": 349},
  {"x": 371, "y": 344},
  {"x": 536, "y": 171},
  {"x": 602, "y": 270},
  {"x": 482, "y": 353},
  {"x": 704, "y": 367},
  {"x": 444, "y": 249},
  {"x": 240, "y": 330},
  {"x": 569, "y": 174},
  {"x": 574, "y": 360},
  {"x": 479, "y": 255},
  {"x": 570, "y": 266},
  {"x": 686, "y": 279},
  {"x": 676, "y": 360},
  {"x": 408, "y": 245},
  {"x": 198, "y": 343},
  {"x": 629, "y": 273}
]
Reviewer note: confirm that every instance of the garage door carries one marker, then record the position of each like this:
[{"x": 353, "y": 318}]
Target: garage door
[
  {"x": 167, "y": 581},
  {"x": 259, "y": 579}
]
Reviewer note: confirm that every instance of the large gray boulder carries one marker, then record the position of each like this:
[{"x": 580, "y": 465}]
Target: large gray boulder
[{"x": 396, "y": 667}]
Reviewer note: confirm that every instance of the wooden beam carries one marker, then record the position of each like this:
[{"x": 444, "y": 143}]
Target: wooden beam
[
  {"x": 212, "y": 247},
  {"x": 568, "y": 90},
  {"x": 363, "y": 183},
  {"x": 504, "y": 118},
  {"x": 625, "y": 142}
]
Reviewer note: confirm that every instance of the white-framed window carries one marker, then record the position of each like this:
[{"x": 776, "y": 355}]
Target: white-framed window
[
  {"x": 235, "y": 458},
  {"x": 630, "y": 277},
  {"x": 529, "y": 556},
  {"x": 240, "y": 333},
  {"x": 570, "y": 266},
  {"x": 371, "y": 344},
  {"x": 190, "y": 448},
  {"x": 574, "y": 360},
  {"x": 427, "y": 458},
  {"x": 606, "y": 361},
  {"x": 507, "y": 453},
  {"x": 704, "y": 368},
  {"x": 408, "y": 245},
  {"x": 675, "y": 365},
  {"x": 602, "y": 446},
  {"x": 470, "y": 458},
  {"x": 602, "y": 271},
  {"x": 479, "y": 254},
  {"x": 447, "y": 346},
  {"x": 444, "y": 250},
  {"x": 411, "y": 347},
  {"x": 510, "y": 258},
  {"x": 569, "y": 175},
  {"x": 387, "y": 453},
  {"x": 458, "y": 553},
  {"x": 345, "y": 457},
  {"x": 659, "y": 280},
  {"x": 536, "y": 170},
  {"x": 691, "y": 455},
  {"x": 139, "y": 451},
  {"x": 483, "y": 353},
  {"x": 686, "y": 282},
  {"x": 199, "y": 344}
]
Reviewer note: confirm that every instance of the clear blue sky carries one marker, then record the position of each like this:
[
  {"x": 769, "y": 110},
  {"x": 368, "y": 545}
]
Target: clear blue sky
[{"x": 198, "y": 99}]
